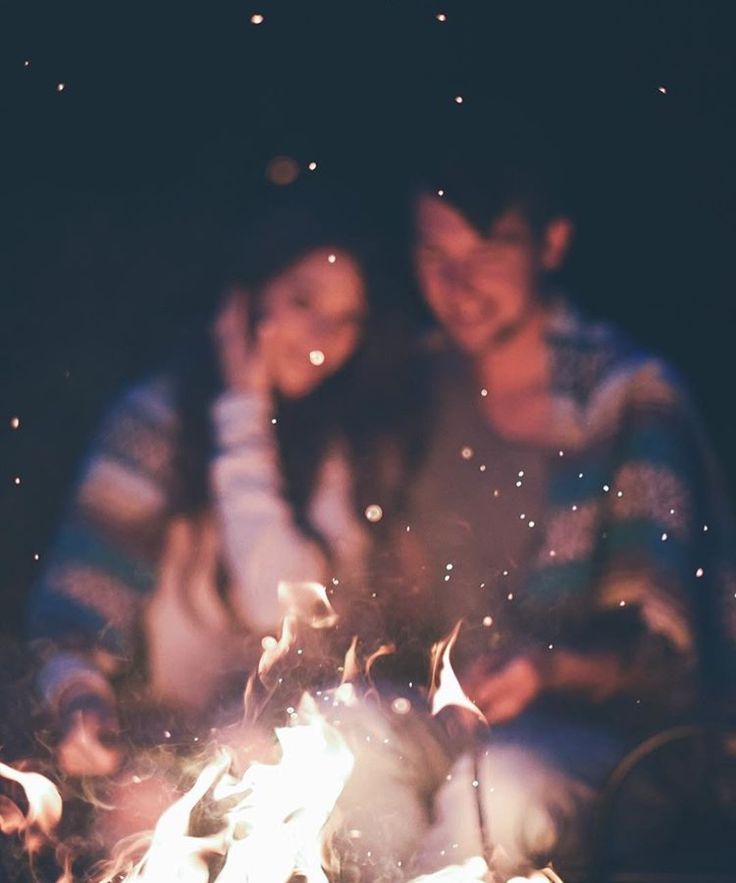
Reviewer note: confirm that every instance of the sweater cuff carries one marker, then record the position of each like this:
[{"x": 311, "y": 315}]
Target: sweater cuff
[
  {"x": 241, "y": 418},
  {"x": 67, "y": 677}
]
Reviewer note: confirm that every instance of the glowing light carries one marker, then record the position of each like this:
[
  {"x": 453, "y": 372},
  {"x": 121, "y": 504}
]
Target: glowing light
[
  {"x": 487, "y": 621},
  {"x": 60, "y": 87},
  {"x": 257, "y": 19},
  {"x": 282, "y": 171},
  {"x": 466, "y": 453},
  {"x": 15, "y": 423},
  {"x": 440, "y": 193},
  {"x": 448, "y": 566},
  {"x": 331, "y": 259},
  {"x": 16, "y": 480},
  {"x": 312, "y": 166},
  {"x": 664, "y": 537},
  {"x": 699, "y": 572},
  {"x": 521, "y": 473},
  {"x": 26, "y": 63},
  {"x": 459, "y": 99},
  {"x": 606, "y": 488},
  {"x": 496, "y": 492},
  {"x": 441, "y": 16},
  {"x": 662, "y": 89},
  {"x": 317, "y": 357},
  {"x": 482, "y": 467},
  {"x": 622, "y": 603},
  {"x": 532, "y": 523},
  {"x": 36, "y": 556},
  {"x": 401, "y": 706},
  {"x": 373, "y": 513},
  {"x": 484, "y": 392}
]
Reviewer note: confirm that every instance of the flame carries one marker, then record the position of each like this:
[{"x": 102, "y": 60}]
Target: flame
[
  {"x": 44, "y": 807},
  {"x": 275, "y": 827},
  {"x": 308, "y": 602},
  {"x": 445, "y": 687},
  {"x": 471, "y": 870}
]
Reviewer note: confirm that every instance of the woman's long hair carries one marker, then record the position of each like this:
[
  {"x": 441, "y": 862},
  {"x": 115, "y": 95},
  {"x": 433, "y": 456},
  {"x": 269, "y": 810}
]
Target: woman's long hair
[{"x": 356, "y": 403}]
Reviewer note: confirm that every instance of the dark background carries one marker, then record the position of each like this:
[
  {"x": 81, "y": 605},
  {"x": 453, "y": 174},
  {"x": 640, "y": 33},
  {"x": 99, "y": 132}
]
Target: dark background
[{"x": 113, "y": 189}]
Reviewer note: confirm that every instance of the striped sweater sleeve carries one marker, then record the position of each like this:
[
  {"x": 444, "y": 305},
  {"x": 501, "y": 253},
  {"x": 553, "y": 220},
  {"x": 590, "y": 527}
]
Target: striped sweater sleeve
[
  {"x": 262, "y": 544},
  {"x": 84, "y": 610}
]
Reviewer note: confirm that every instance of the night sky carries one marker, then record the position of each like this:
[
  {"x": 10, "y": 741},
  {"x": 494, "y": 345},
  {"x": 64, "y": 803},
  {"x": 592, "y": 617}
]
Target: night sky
[{"x": 114, "y": 186}]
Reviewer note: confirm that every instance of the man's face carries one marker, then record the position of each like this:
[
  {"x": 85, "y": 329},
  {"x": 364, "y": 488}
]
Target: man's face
[{"x": 481, "y": 288}]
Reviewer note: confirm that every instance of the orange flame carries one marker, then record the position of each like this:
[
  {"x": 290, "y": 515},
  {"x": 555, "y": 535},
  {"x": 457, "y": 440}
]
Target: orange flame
[
  {"x": 445, "y": 689},
  {"x": 44, "y": 807}
]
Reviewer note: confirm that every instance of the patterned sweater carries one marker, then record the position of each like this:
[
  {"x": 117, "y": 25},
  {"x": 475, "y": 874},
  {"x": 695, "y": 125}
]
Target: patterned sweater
[{"x": 119, "y": 550}]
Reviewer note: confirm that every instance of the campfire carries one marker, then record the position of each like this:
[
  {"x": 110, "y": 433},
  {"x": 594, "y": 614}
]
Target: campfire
[{"x": 270, "y": 820}]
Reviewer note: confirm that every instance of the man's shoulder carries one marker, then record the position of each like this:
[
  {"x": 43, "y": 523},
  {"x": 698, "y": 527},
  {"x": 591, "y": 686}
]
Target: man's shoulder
[{"x": 589, "y": 353}]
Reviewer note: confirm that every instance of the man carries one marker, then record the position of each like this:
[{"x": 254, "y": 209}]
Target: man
[{"x": 564, "y": 508}]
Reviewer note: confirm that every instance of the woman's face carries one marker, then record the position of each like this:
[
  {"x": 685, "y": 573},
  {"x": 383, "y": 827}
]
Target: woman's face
[{"x": 315, "y": 311}]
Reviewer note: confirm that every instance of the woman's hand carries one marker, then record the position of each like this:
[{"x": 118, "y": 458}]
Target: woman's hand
[{"x": 243, "y": 358}]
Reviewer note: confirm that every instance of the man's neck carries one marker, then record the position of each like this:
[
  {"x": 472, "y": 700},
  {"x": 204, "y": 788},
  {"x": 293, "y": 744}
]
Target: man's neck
[{"x": 518, "y": 364}]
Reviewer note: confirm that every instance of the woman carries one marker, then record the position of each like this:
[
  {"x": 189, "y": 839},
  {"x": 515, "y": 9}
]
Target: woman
[{"x": 210, "y": 485}]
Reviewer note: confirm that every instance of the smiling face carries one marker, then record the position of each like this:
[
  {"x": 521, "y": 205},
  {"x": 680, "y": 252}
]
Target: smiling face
[
  {"x": 315, "y": 311},
  {"x": 480, "y": 287}
]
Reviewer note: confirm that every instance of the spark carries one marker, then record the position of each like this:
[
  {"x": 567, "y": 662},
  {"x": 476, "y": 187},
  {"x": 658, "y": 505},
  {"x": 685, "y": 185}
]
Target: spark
[
  {"x": 622, "y": 603},
  {"x": 532, "y": 523},
  {"x": 699, "y": 572},
  {"x": 466, "y": 453},
  {"x": 441, "y": 17},
  {"x": 484, "y": 392},
  {"x": 662, "y": 89},
  {"x": 331, "y": 259},
  {"x": 664, "y": 537},
  {"x": 257, "y": 19},
  {"x": 487, "y": 621},
  {"x": 16, "y": 480},
  {"x": 274, "y": 421},
  {"x": 606, "y": 488},
  {"x": 448, "y": 566},
  {"x": 459, "y": 99},
  {"x": 15, "y": 423},
  {"x": 482, "y": 467},
  {"x": 60, "y": 87},
  {"x": 312, "y": 166},
  {"x": 27, "y": 63},
  {"x": 373, "y": 513},
  {"x": 521, "y": 473},
  {"x": 440, "y": 193},
  {"x": 510, "y": 596},
  {"x": 36, "y": 556},
  {"x": 401, "y": 706},
  {"x": 317, "y": 357}
]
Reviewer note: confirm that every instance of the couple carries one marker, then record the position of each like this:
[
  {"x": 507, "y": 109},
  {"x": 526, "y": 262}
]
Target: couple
[{"x": 524, "y": 469}]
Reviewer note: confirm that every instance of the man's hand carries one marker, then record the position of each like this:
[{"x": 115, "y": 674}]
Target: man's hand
[{"x": 504, "y": 693}]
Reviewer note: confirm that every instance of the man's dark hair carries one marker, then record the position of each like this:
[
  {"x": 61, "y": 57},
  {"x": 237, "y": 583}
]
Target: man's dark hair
[{"x": 483, "y": 177}]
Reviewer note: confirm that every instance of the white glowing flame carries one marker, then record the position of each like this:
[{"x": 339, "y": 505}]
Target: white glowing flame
[
  {"x": 446, "y": 687},
  {"x": 471, "y": 870},
  {"x": 308, "y": 602},
  {"x": 275, "y": 827}
]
